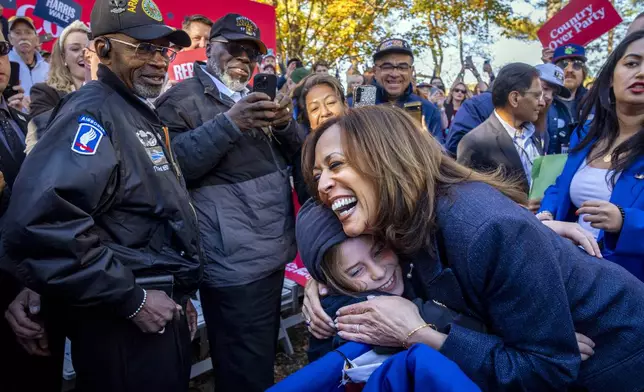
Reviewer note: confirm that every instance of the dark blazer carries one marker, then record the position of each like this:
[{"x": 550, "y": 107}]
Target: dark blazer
[
  {"x": 44, "y": 98},
  {"x": 533, "y": 289},
  {"x": 625, "y": 248},
  {"x": 489, "y": 146}
]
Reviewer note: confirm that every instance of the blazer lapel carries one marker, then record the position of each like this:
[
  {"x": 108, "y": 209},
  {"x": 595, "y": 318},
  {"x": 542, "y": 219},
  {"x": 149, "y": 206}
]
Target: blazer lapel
[
  {"x": 505, "y": 144},
  {"x": 440, "y": 282},
  {"x": 629, "y": 186}
]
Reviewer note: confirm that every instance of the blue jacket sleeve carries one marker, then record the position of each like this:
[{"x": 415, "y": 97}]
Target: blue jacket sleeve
[
  {"x": 550, "y": 199},
  {"x": 433, "y": 120},
  {"x": 49, "y": 229},
  {"x": 629, "y": 240},
  {"x": 464, "y": 121},
  {"x": 531, "y": 344}
]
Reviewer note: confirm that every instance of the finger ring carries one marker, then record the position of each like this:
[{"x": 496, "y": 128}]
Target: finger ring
[
  {"x": 358, "y": 328},
  {"x": 161, "y": 331}
]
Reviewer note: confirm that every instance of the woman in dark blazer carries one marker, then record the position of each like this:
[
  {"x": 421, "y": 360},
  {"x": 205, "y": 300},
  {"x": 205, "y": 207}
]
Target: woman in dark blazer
[
  {"x": 473, "y": 248},
  {"x": 602, "y": 184},
  {"x": 67, "y": 70}
]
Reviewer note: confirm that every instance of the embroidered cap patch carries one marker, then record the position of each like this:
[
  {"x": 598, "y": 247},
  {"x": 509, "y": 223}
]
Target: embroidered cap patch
[{"x": 88, "y": 136}]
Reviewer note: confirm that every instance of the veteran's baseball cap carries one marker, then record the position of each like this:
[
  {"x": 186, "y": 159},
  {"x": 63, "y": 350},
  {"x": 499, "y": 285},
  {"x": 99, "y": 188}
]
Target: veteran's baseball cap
[
  {"x": 394, "y": 45},
  {"x": 139, "y": 19},
  {"x": 235, "y": 27}
]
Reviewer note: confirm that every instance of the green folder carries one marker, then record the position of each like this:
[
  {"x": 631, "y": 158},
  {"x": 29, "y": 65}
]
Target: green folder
[{"x": 545, "y": 171}]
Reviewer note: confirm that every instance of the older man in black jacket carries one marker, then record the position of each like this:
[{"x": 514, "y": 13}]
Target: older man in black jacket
[
  {"x": 234, "y": 148},
  {"x": 100, "y": 221}
]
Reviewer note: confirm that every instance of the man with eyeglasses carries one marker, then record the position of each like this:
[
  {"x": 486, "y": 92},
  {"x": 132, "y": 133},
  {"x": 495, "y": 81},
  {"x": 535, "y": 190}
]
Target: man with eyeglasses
[
  {"x": 508, "y": 137},
  {"x": 572, "y": 60},
  {"x": 24, "y": 39},
  {"x": 393, "y": 70},
  {"x": 234, "y": 148},
  {"x": 100, "y": 223}
]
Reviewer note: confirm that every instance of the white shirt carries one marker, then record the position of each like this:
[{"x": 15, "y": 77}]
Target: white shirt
[
  {"x": 522, "y": 140},
  {"x": 590, "y": 183},
  {"x": 234, "y": 95},
  {"x": 29, "y": 77}
]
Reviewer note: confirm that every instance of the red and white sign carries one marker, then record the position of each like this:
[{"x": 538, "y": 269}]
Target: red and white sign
[
  {"x": 182, "y": 66},
  {"x": 580, "y": 22},
  {"x": 173, "y": 13}
]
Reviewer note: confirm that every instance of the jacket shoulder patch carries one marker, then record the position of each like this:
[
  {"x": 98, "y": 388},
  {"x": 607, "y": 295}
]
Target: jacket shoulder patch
[{"x": 88, "y": 136}]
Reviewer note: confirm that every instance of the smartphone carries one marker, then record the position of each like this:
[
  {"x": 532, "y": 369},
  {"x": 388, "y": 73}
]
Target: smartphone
[
  {"x": 14, "y": 80},
  {"x": 365, "y": 96},
  {"x": 415, "y": 109},
  {"x": 265, "y": 83}
]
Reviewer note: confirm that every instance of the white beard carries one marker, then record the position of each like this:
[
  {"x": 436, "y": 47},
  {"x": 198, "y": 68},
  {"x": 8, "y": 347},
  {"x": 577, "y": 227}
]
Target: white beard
[{"x": 232, "y": 84}]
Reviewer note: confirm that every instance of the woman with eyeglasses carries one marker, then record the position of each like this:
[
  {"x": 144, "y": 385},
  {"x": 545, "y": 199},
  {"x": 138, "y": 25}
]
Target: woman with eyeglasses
[
  {"x": 67, "y": 71},
  {"x": 457, "y": 95},
  {"x": 602, "y": 184}
]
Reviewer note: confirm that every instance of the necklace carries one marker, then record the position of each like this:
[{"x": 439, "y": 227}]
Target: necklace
[{"x": 608, "y": 158}]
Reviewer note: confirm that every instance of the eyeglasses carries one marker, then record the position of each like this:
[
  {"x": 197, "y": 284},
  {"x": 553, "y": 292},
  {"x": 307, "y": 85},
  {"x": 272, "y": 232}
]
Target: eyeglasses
[
  {"x": 4, "y": 48},
  {"x": 146, "y": 50},
  {"x": 577, "y": 65},
  {"x": 389, "y": 68},
  {"x": 458, "y": 90},
  {"x": 237, "y": 50},
  {"x": 538, "y": 95}
]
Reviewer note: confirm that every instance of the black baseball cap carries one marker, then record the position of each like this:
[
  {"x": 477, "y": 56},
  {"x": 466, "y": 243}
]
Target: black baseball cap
[
  {"x": 139, "y": 19},
  {"x": 235, "y": 27},
  {"x": 394, "y": 45}
]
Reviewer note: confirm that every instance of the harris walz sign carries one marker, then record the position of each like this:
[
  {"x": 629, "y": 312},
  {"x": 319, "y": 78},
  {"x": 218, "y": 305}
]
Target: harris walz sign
[{"x": 60, "y": 12}]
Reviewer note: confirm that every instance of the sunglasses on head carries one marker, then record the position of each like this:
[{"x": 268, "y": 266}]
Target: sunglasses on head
[
  {"x": 237, "y": 50},
  {"x": 4, "y": 48},
  {"x": 577, "y": 65}
]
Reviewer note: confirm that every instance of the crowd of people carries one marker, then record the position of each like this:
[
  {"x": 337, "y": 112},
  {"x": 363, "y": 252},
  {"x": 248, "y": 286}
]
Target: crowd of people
[{"x": 124, "y": 194}]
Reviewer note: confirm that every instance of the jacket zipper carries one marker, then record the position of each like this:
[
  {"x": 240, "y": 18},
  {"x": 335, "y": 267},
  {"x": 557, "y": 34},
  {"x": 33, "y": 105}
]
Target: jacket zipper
[{"x": 177, "y": 170}]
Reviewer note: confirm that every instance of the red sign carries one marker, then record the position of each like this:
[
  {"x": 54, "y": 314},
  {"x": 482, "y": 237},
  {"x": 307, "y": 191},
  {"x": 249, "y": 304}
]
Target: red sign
[
  {"x": 173, "y": 13},
  {"x": 580, "y": 22},
  {"x": 181, "y": 67}
]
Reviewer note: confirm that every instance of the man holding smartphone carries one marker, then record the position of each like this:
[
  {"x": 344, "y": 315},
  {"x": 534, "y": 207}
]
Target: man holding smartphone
[
  {"x": 234, "y": 148},
  {"x": 394, "y": 67}
]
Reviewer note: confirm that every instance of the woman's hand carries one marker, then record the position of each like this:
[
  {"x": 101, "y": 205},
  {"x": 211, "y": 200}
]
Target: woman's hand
[
  {"x": 602, "y": 215},
  {"x": 576, "y": 234},
  {"x": 534, "y": 205},
  {"x": 319, "y": 323},
  {"x": 381, "y": 321},
  {"x": 585, "y": 346}
]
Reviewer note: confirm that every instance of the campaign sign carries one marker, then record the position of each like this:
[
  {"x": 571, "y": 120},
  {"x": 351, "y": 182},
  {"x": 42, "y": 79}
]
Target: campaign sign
[
  {"x": 60, "y": 12},
  {"x": 580, "y": 22},
  {"x": 182, "y": 66}
]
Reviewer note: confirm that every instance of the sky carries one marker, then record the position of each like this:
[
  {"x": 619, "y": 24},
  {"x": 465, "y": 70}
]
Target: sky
[{"x": 501, "y": 52}]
